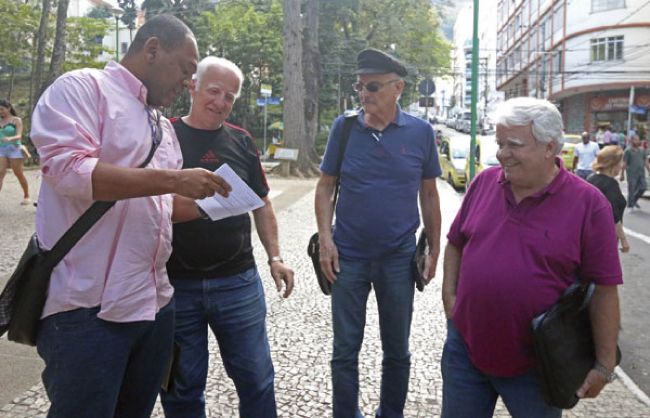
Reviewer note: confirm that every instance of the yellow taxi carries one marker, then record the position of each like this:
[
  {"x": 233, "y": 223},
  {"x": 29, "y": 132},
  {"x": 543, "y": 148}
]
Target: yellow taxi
[
  {"x": 570, "y": 142},
  {"x": 485, "y": 155},
  {"x": 452, "y": 154}
]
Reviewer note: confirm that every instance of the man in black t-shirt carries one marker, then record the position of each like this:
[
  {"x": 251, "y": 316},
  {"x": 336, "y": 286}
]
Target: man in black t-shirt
[{"x": 212, "y": 267}]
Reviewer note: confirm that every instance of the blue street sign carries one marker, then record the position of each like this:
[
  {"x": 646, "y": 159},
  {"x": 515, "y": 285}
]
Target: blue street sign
[{"x": 262, "y": 101}]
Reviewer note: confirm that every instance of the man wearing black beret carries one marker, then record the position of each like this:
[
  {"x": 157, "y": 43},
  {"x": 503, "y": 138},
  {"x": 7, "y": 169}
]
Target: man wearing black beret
[{"x": 390, "y": 158}]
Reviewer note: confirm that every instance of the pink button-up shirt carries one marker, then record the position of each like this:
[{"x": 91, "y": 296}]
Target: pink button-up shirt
[{"x": 88, "y": 116}]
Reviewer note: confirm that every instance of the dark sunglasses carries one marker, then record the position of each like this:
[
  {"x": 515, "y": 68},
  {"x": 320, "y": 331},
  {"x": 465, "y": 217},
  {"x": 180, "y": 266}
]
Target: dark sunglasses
[
  {"x": 372, "y": 87},
  {"x": 154, "y": 125}
]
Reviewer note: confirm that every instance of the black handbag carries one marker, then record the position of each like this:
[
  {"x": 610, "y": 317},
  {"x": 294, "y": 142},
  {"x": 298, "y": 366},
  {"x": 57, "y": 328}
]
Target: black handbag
[
  {"x": 417, "y": 267},
  {"x": 313, "y": 248},
  {"x": 564, "y": 345},
  {"x": 24, "y": 295}
]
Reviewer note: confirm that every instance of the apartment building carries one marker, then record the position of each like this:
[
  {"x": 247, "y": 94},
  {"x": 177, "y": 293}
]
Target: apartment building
[{"x": 590, "y": 57}]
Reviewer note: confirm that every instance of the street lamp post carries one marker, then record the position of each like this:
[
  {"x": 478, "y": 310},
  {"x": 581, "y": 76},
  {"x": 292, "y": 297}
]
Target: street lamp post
[{"x": 475, "y": 59}]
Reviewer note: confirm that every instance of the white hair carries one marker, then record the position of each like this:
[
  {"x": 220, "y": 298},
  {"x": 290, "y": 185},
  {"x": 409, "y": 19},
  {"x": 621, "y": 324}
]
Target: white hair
[
  {"x": 544, "y": 118},
  {"x": 212, "y": 62}
]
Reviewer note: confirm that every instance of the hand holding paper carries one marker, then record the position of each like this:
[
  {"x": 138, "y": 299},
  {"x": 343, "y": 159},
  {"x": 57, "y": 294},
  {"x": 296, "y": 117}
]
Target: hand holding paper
[{"x": 242, "y": 199}]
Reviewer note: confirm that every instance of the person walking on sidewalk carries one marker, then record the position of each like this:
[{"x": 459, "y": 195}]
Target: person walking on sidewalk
[
  {"x": 11, "y": 154},
  {"x": 511, "y": 252},
  {"x": 635, "y": 162},
  {"x": 608, "y": 165},
  {"x": 584, "y": 156},
  {"x": 212, "y": 267},
  {"x": 106, "y": 332},
  {"x": 390, "y": 158}
]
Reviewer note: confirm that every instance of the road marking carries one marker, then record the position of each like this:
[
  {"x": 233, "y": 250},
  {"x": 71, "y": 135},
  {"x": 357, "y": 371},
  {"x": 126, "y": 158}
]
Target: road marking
[
  {"x": 631, "y": 386},
  {"x": 637, "y": 235},
  {"x": 274, "y": 193}
]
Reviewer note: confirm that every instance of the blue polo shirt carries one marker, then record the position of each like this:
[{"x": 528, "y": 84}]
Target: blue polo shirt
[{"x": 381, "y": 174}]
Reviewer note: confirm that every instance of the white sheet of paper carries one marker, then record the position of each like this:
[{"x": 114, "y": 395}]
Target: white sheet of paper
[{"x": 242, "y": 199}]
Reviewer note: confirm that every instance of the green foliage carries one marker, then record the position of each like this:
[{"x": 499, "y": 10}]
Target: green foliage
[
  {"x": 84, "y": 42},
  {"x": 17, "y": 30},
  {"x": 409, "y": 29},
  {"x": 100, "y": 12}
]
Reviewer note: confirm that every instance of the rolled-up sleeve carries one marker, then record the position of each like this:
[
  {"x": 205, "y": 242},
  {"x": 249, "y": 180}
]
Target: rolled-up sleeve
[{"x": 66, "y": 133}]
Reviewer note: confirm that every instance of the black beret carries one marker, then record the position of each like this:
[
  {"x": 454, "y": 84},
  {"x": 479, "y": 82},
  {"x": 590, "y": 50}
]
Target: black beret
[{"x": 374, "y": 61}]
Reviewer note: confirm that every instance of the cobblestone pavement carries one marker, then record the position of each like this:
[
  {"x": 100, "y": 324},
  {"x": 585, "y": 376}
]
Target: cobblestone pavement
[{"x": 300, "y": 337}]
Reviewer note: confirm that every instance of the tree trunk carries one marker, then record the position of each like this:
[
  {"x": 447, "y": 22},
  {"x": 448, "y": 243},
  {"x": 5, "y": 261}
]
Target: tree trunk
[
  {"x": 58, "y": 51},
  {"x": 11, "y": 82},
  {"x": 312, "y": 79},
  {"x": 294, "y": 86},
  {"x": 41, "y": 41}
]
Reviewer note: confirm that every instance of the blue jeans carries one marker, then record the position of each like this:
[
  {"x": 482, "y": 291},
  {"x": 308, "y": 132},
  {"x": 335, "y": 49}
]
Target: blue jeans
[
  {"x": 235, "y": 309},
  {"x": 394, "y": 287},
  {"x": 584, "y": 173},
  {"x": 100, "y": 369},
  {"x": 469, "y": 393}
]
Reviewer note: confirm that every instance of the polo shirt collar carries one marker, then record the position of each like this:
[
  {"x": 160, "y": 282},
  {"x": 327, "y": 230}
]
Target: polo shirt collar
[
  {"x": 552, "y": 188},
  {"x": 400, "y": 119},
  {"x": 129, "y": 81}
]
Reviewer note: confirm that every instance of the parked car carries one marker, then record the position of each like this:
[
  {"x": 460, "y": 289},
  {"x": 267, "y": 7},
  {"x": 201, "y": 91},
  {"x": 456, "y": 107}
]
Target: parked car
[
  {"x": 463, "y": 123},
  {"x": 452, "y": 154},
  {"x": 486, "y": 126},
  {"x": 485, "y": 155},
  {"x": 570, "y": 142}
]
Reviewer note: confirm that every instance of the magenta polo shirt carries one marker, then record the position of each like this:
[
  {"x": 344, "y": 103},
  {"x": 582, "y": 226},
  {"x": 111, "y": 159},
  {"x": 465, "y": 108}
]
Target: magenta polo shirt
[{"x": 517, "y": 259}]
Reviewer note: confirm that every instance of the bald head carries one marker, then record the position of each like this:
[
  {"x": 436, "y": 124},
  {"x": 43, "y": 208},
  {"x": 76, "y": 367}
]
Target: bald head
[{"x": 170, "y": 31}]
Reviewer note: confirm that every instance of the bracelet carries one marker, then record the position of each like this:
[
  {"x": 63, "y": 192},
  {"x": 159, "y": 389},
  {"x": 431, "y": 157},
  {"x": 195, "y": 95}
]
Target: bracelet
[
  {"x": 274, "y": 259},
  {"x": 609, "y": 376}
]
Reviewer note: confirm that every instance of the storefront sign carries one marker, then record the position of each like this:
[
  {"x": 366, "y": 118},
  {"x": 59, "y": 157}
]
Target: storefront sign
[{"x": 616, "y": 103}]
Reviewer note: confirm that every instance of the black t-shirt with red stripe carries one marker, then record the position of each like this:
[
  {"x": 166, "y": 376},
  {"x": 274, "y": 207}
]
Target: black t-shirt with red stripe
[{"x": 205, "y": 249}]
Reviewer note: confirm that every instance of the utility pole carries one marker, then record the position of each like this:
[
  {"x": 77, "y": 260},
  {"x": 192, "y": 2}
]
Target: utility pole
[
  {"x": 486, "y": 88},
  {"x": 472, "y": 143}
]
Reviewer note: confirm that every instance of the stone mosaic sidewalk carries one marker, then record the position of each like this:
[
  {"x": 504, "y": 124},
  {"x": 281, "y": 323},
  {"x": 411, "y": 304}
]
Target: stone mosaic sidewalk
[{"x": 300, "y": 336}]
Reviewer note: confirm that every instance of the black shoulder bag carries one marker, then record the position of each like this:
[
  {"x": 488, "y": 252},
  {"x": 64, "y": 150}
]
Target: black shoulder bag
[
  {"x": 313, "y": 249},
  {"x": 23, "y": 298}
]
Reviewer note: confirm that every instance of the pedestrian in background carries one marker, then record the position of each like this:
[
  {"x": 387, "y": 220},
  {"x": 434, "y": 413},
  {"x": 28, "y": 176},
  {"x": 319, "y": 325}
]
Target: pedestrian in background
[
  {"x": 107, "y": 325},
  {"x": 11, "y": 154},
  {"x": 212, "y": 267},
  {"x": 525, "y": 232},
  {"x": 635, "y": 162},
  {"x": 584, "y": 155},
  {"x": 608, "y": 166},
  {"x": 390, "y": 158}
]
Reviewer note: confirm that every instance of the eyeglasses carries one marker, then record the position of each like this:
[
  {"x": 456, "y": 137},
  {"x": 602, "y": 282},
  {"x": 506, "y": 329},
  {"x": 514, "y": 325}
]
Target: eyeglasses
[
  {"x": 154, "y": 124},
  {"x": 372, "y": 87}
]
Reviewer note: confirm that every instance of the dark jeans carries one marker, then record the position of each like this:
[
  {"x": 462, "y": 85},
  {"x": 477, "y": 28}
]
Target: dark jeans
[
  {"x": 100, "y": 369},
  {"x": 469, "y": 393},
  {"x": 235, "y": 309},
  {"x": 636, "y": 186},
  {"x": 394, "y": 287}
]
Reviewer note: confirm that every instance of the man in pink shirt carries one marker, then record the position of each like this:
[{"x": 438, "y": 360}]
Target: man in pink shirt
[
  {"x": 526, "y": 231},
  {"x": 107, "y": 325}
]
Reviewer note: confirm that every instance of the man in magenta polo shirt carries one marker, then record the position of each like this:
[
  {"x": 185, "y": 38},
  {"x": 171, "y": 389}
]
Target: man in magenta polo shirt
[{"x": 526, "y": 230}]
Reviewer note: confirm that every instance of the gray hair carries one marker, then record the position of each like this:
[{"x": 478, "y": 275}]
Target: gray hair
[
  {"x": 542, "y": 115},
  {"x": 212, "y": 62}
]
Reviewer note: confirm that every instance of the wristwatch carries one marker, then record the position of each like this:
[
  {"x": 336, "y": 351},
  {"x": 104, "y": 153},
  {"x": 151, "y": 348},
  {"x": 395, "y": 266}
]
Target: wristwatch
[
  {"x": 274, "y": 259},
  {"x": 609, "y": 376}
]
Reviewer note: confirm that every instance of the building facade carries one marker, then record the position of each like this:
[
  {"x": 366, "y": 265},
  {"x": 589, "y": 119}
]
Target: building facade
[{"x": 590, "y": 57}]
